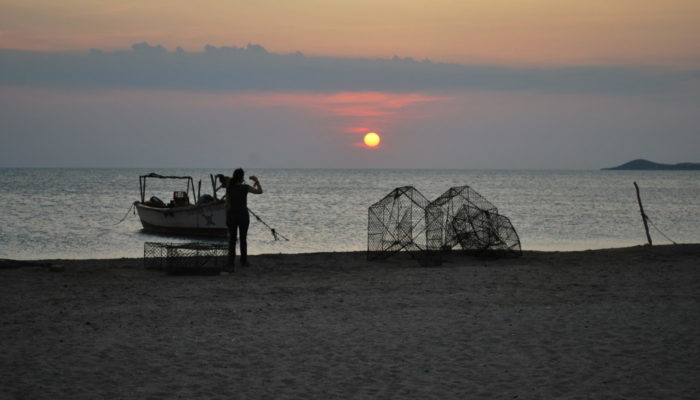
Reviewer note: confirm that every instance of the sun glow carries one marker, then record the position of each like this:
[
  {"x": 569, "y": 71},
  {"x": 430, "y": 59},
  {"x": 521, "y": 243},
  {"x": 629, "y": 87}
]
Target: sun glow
[{"x": 372, "y": 139}]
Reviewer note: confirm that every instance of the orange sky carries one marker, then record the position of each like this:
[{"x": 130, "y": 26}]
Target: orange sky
[
  {"x": 536, "y": 32},
  {"x": 545, "y": 120}
]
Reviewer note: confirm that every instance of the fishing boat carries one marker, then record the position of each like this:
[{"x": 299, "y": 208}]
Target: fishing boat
[{"x": 180, "y": 216}]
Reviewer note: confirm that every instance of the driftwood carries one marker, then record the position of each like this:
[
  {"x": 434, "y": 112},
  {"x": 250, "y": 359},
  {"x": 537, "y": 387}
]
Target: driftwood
[{"x": 644, "y": 216}]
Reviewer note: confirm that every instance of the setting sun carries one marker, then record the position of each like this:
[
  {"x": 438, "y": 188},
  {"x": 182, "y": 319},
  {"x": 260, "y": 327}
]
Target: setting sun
[{"x": 372, "y": 139}]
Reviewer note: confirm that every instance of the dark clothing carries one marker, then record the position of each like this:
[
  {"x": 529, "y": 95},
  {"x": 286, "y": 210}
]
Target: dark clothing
[
  {"x": 237, "y": 198},
  {"x": 237, "y": 221}
]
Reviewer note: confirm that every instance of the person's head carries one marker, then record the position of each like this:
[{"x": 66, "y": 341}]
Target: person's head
[{"x": 238, "y": 176}]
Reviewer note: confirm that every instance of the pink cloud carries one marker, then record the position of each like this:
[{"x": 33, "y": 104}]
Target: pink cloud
[
  {"x": 372, "y": 104},
  {"x": 355, "y": 112},
  {"x": 350, "y": 113},
  {"x": 344, "y": 103}
]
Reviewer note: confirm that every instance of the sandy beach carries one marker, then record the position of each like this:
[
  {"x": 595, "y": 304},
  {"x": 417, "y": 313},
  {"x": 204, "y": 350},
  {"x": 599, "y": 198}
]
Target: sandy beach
[{"x": 618, "y": 323}]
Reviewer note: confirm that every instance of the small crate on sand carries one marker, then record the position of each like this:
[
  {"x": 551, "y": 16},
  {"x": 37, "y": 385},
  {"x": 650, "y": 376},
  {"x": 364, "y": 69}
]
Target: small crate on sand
[{"x": 185, "y": 258}]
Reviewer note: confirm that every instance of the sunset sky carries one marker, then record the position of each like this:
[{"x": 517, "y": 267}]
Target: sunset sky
[{"x": 282, "y": 83}]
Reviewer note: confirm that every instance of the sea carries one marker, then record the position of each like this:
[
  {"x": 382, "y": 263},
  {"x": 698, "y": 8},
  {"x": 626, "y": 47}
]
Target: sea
[{"x": 88, "y": 214}]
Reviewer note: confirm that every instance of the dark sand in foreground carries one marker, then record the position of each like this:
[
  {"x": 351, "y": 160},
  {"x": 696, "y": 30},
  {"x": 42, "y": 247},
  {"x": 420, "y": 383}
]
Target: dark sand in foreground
[{"x": 621, "y": 323}]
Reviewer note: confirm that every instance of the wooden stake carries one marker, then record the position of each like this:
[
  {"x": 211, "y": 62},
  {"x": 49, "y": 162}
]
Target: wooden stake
[{"x": 644, "y": 216}]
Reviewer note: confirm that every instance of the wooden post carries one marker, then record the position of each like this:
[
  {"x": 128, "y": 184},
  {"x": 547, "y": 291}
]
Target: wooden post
[{"x": 644, "y": 216}]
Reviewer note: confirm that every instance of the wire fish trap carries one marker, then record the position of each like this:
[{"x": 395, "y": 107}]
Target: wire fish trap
[
  {"x": 397, "y": 223},
  {"x": 193, "y": 257},
  {"x": 461, "y": 216},
  {"x": 404, "y": 220}
]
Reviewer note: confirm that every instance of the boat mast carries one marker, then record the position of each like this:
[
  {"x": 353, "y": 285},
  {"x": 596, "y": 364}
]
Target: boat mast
[{"x": 142, "y": 186}]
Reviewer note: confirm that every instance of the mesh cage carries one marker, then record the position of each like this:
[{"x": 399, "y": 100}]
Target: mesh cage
[
  {"x": 461, "y": 216},
  {"x": 194, "y": 257},
  {"x": 154, "y": 255},
  {"x": 397, "y": 223},
  {"x": 508, "y": 241}
]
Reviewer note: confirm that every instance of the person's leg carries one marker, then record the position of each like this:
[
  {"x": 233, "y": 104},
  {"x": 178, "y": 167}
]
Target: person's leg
[{"x": 244, "y": 240}]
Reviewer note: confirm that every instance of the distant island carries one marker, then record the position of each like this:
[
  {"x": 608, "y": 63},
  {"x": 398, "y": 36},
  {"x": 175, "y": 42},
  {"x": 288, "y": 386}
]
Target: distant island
[{"x": 640, "y": 165}]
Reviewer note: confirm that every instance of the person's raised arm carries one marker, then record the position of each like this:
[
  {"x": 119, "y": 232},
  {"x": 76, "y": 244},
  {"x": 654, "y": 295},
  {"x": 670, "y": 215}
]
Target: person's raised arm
[{"x": 256, "y": 188}]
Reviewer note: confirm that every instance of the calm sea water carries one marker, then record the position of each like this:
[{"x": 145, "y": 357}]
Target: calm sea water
[{"x": 74, "y": 213}]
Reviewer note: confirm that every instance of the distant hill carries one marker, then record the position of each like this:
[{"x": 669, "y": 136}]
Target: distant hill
[{"x": 650, "y": 165}]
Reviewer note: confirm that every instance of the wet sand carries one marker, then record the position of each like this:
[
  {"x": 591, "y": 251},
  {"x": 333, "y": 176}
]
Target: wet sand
[{"x": 619, "y": 323}]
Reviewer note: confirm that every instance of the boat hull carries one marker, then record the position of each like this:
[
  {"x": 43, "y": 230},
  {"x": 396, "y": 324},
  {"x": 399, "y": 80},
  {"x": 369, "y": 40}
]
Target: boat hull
[{"x": 203, "y": 220}]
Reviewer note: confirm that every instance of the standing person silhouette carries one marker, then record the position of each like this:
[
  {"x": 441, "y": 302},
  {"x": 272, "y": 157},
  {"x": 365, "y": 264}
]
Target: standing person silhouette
[{"x": 237, "y": 217}]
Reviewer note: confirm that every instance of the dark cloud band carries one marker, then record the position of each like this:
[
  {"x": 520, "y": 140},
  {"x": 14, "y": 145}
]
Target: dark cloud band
[{"x": 252, "y": 68}]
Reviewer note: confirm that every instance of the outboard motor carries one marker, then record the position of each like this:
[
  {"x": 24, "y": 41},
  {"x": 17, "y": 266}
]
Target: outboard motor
[{"x": 155, "y": 202}]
